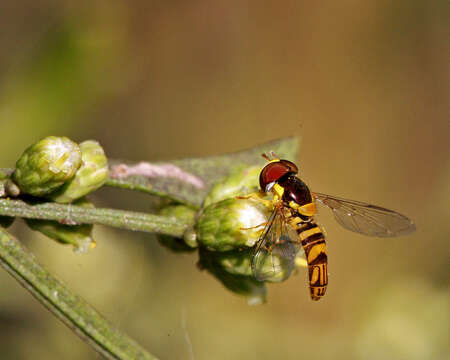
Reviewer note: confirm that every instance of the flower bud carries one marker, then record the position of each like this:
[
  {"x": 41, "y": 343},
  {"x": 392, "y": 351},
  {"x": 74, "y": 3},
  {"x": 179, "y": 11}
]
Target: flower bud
[
  {"x": 276, "y": 259},
  {"x": 236, "y": 262},
  {"x": 46, "y": 165},
  {"x": 239, "y": 262},
  {"x": 79, "y": 236},
  {"x": 245, "y": 285},
  {"x": 239, "y": 182},
  {"x": 91, "y": 175},
  {"x": 231, "y": 224}
]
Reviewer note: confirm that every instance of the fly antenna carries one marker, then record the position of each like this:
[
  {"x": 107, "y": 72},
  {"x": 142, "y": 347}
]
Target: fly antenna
[
  {"x": 274, "y": 156},
  {"x": 270, "y": 157}
]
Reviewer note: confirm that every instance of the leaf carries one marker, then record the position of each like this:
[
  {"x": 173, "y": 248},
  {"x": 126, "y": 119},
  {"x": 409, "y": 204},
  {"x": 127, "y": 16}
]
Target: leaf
[{"x": 189, "y": 180}]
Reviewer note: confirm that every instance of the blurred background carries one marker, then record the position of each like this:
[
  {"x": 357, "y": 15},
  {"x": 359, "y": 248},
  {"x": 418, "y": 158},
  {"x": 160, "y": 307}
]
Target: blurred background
[{"x": 366, "y": 85}]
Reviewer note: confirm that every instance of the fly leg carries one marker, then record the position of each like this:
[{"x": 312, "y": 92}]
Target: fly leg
[
  {"x": 257, "y": 196},
  {"x": 254, "y": 227}
]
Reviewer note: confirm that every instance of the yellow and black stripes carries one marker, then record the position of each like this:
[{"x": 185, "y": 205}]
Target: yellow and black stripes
[{"x": 313, "y": 242}]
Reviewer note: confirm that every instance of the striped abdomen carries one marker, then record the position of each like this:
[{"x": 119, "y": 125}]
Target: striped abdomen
[{"x": 313, "y": 242}]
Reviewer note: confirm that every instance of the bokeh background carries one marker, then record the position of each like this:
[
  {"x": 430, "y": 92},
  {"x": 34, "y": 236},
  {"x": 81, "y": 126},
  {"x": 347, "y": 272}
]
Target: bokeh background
[{"x": 366, "y": 85}]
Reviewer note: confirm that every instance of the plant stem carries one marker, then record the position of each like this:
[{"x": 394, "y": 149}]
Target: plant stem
[
  {"x": 72, "y": 214},
  {"x": 71, "y": 309}
]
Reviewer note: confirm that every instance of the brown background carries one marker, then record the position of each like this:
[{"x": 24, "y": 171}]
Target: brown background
[{"x": 365, "y": 83}]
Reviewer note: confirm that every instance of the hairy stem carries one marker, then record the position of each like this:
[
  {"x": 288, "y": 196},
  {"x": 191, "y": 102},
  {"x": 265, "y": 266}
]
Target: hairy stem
[{"x": 72, "y": 214}]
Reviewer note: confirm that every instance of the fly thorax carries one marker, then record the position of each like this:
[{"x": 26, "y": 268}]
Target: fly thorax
[{"x": 295, "y": 191}]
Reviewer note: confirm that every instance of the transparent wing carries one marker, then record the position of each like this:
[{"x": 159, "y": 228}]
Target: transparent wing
[
  {"x": 365, "y": 218},
  {"x": 274, "y": 256}
]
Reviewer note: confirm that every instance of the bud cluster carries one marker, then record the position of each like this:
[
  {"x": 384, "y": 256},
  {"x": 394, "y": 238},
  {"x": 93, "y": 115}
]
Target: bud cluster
[{"x": 61, "y": 170}]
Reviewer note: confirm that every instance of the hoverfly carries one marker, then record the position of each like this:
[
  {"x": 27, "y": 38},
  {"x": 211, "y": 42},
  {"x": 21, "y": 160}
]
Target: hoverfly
[{"x": 292, "y": 227}]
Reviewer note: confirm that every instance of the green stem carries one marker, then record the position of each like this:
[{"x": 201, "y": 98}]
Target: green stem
[
  {"x": 71, "y": 214},
  {"x": 68, "y": 307}
]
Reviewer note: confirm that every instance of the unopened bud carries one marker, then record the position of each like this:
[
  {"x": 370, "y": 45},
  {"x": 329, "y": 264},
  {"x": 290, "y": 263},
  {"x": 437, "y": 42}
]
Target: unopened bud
[
  {"x": 46, "y": 165},
  {"x": 231, "y": 224},
  {"x": 91, "y": 175},
  {"x": 239, "y": 182}
]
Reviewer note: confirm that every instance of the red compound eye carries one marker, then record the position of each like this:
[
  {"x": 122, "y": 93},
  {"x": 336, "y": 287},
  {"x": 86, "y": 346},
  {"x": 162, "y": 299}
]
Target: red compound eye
[{"x": 274, "y": 171}]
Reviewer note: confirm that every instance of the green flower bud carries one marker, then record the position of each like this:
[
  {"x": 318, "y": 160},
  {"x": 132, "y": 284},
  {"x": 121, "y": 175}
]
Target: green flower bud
[
  {"x": 231, "y": 224},
  {"x": 91, "y": 175},
  {"x": 241, "y": 181},
  {"x": 245, "y": 285},
  {"x": 181, "y": 212},
  {"x": 178, "y": 211},
  {"x": 6, "y": 221},
  {"x": 235, "y": 262},
  {"x": 239, "y": 262},
  {"x": 79, "y": 236},
  {"x": 267, "y": 262},
  {"x": 46, "y": 165}
]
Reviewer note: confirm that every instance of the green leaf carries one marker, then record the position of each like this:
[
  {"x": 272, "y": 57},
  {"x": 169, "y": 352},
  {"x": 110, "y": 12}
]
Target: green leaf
[{"x": 190, "y": 180}]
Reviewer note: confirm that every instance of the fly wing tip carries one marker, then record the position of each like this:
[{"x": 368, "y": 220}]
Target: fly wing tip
[{"x": 410, "y": 229}]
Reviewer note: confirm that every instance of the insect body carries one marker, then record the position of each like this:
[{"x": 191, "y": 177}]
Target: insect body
[{"x": 292, "y": 227}]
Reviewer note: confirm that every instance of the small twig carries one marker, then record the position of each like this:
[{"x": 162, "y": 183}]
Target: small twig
[{"x": 129, "y": 220}]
